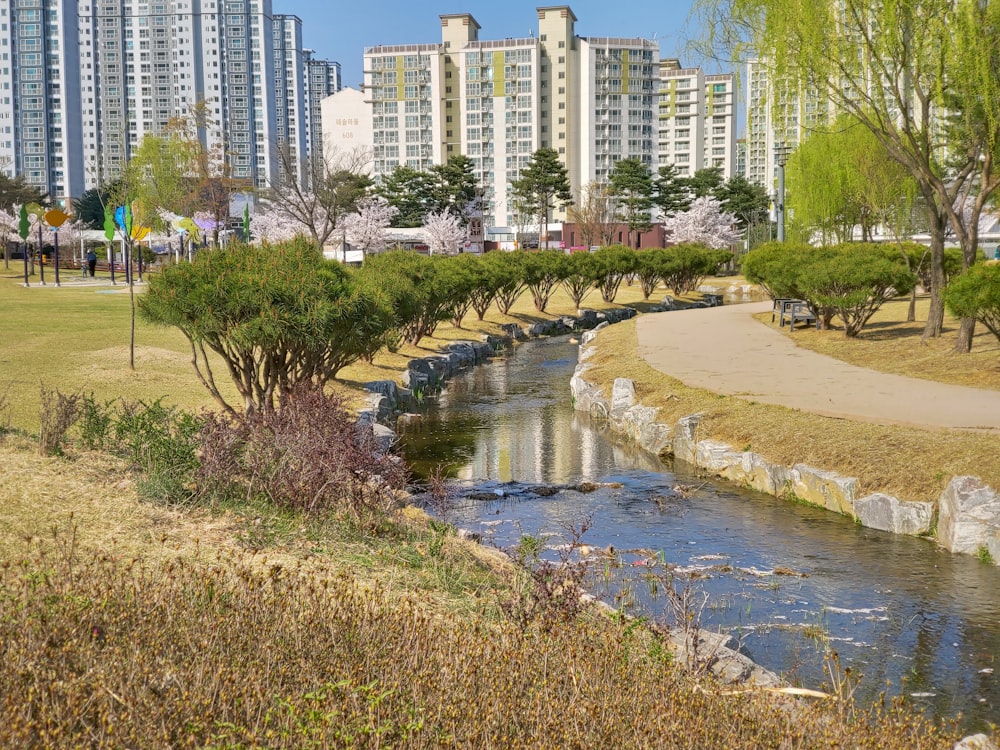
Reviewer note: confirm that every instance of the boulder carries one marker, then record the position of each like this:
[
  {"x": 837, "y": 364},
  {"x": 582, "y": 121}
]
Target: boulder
[
  {"x": 826, "y": 489},
  {"x": 622, "y": 395},
  {"x": 716, "y": 456},
  {"x": 754, "y": 471},
  {"x": 586, "y": 318},
  {"x": 590, "y": 335},
  {"x": 969, "y": 516},
  {"x": 684, "y": 441},
  {"x": 976, "y": 742},
  {"x": 513, "y": 331},
  {"x": 888, "y": 513}
]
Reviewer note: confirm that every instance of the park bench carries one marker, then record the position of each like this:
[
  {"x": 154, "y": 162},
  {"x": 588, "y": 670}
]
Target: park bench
[{"x": 793, "y": 311}]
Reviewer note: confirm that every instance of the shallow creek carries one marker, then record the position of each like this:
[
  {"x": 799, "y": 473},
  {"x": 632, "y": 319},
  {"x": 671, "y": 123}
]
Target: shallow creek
[{"x": 787, "y": 581}]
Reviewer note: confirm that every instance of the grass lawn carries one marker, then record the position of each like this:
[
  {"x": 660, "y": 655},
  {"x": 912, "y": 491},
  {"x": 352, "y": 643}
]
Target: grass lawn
[{"x": 76, "y": 338}]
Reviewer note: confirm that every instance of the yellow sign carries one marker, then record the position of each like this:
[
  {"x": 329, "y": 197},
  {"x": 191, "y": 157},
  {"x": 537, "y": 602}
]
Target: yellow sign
[
  {"x": 55, "y": 217},
  {"x": 140, "y": 233}
]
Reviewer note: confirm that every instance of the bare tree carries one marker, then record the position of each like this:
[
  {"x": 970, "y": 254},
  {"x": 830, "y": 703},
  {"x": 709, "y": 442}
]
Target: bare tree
[{"x": 595, "y": 213}]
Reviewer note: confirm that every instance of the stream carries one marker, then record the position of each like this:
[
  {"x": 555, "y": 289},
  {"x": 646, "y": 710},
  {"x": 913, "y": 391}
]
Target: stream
[{"x": 787, "y": 581}]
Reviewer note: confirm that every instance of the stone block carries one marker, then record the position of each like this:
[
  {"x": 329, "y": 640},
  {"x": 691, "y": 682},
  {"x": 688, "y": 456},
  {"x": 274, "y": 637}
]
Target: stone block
[
  {"x": 888, "y": 513},
  {"x": 513, "y": 331},
  {"x": 716, "y": 456},
  {"x": 824, "y": 488},
  {"x": 684, "y": 440},
  {"x": 590, "y": 335},
  {"x": 756, "y": 472},
  {"x": 969, "y": 515},
  {"x": 622, "y": 395}
]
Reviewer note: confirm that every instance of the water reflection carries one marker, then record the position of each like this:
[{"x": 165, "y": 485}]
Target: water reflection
[{"x": 897, "y": 609}]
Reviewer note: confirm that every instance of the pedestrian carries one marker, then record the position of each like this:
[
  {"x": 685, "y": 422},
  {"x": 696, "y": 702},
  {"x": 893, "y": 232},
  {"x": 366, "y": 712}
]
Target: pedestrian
[{"x": 92, "y": 262}]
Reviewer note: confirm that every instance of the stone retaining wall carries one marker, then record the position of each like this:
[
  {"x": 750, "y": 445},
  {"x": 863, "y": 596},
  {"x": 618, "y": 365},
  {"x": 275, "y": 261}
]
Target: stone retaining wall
[{"x": 967, "y": 514}]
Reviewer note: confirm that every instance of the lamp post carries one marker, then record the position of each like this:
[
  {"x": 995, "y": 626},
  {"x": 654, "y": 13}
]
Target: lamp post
[
  {"x": 781, "y": 151},
  {"x": 55, "y": 219}
]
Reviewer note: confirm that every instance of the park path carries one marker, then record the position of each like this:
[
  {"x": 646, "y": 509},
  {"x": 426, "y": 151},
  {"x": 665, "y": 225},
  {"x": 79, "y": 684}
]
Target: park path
[{"x": 723, "y": 349}]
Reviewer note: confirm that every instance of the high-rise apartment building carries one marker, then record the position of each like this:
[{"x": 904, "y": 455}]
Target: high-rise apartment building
[
  {"x": 41, "y": 133},
  {"x": 321, "y": 79},
  {"x": 84, "y": 81},
  {"x": 778, "y": 120},
  {"x": 290, "y": 98},
  {"x": 594, "y": 100},
  {"x": 697, "y": 119}
]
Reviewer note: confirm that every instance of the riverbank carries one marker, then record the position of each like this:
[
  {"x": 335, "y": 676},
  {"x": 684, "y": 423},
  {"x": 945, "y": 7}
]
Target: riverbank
[{"x": 892, "y": 477}]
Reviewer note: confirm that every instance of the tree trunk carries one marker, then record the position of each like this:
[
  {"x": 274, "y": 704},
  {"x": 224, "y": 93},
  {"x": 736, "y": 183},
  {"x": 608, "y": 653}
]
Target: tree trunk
[
  {"x": 911, "y": 312},
  {"x": 935, "y": 318},
  {"x": 963, "y": 345}
]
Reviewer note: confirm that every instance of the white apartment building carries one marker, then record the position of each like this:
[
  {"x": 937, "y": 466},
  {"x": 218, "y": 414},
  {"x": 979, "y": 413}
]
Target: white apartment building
[
  {"x": 347, "y": 128},
  {"x": 777, "y": 122},
  {"x": 82, "y": 82},
  {"x": 592, "y": 100},
  {"x": 321, "y": 78},
  {"x": 697, "y": 119},
  {"x": 41, "y": 133}
]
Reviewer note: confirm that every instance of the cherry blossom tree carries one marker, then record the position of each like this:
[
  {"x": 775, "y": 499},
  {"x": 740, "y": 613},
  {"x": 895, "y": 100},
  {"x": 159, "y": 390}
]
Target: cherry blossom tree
[
  {"x": 273, "y": 227},
  {"x": 444, "y": 232},
  {"x": 704, "y": 223},
  {"x": 366, "y": 227}
]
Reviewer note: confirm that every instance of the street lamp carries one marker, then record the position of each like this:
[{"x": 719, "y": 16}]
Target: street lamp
[{"x": 781, "y": 151}]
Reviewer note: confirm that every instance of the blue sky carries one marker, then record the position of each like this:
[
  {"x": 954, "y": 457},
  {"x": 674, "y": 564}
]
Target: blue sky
[{"x": 341, "y": 29}]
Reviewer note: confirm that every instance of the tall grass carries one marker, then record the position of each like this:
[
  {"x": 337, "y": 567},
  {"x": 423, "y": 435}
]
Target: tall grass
[{"x": 103, "y": 651}]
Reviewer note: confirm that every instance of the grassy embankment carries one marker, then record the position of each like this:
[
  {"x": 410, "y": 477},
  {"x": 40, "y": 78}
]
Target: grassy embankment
[
  {"x": 131, "y": 624},
  {"x": 914, "y": 464}
]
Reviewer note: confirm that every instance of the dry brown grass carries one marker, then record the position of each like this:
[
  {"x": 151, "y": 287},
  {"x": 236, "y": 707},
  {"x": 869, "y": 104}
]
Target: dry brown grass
[
  {"x": 910, "y": 463},
  {"x": 889, "y": 344}
]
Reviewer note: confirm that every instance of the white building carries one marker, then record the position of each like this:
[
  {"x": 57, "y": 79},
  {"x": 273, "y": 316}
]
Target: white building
[
  {"x": 41, "y": 121},
  {"x": 697, "y": 119},
  {"x": 321, "y": 78},
  {"x": 347, "y": 128}
]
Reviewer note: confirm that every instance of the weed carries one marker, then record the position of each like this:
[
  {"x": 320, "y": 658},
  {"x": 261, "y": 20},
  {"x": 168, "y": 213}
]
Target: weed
[
  {"x": 984, "y": 555},
  {"x": 95, "y": 424},
  {"x": 58, "y": 413},
  {"x": 306, "y": 454}
]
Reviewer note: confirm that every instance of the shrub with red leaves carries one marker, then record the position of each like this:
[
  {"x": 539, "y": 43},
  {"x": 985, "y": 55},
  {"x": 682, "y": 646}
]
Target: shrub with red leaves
[{"x": 307, "y": 454}]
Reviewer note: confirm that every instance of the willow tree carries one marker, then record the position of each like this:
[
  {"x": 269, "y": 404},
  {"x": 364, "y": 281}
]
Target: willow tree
[
  {"x": 922, "y": 75},
  {"x": 842, "y": 178}
]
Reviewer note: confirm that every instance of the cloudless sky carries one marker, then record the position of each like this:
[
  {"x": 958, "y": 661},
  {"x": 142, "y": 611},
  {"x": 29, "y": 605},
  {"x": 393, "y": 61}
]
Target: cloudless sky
[{"x": 339, "y": 30}]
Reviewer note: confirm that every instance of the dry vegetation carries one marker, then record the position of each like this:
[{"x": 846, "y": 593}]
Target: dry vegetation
[
  {"x": 133, "y": 626},
  {"x": 910, "y": 463}
]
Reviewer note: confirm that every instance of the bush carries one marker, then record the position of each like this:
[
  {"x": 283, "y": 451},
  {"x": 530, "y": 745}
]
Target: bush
[
  {"x": 308, "y": 454},
  {"x": 579, "y": 276},
  {"x": 58, "y": 413},
  {"x": 542, "y": 271},
  {"x": 976, "y": 294},
  {"x": 611, "y": 265},
  {"x": 686, "y": 264},
  {"x": 854, "y": 281}
]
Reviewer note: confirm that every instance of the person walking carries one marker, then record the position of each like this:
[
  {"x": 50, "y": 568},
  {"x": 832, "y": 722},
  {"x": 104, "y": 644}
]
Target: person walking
[{"x": 92, "y": 263}]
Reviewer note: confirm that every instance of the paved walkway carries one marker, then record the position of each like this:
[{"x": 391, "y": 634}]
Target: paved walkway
[{"x": 726, "y": 351}]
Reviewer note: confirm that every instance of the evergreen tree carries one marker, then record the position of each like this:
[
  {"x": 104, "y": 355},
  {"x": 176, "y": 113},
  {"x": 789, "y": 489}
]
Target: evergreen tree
[
  {"x": 631, "y": 182},
  {"x": 542, "y": 186}
]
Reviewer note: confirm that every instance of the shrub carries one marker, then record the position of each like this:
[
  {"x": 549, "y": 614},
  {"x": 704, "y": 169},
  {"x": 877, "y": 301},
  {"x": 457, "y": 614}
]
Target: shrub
[
  {"x": 274, "y": 314},
  {"x": 58, "y": 413},
  {"x": 542, "y": 271},
  {"x": 854, "y": 281},
  {"x": 685, "y": 265},
  {"x": 507, "y": 273},
  {"x": 611, "y": 265},
  {"x": 579, "y": 276},
  {"x": 308, "y": 454},
  {"x": 976, "y": 294}
]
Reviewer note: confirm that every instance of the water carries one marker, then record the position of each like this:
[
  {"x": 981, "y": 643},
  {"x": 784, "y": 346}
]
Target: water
[{"x": 909, "y": 617}]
